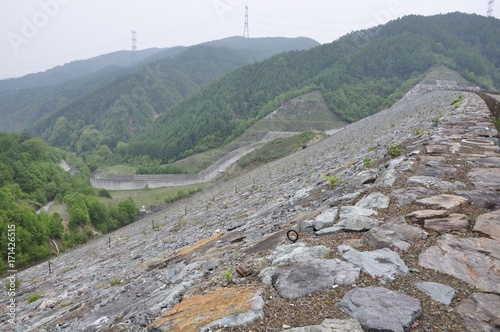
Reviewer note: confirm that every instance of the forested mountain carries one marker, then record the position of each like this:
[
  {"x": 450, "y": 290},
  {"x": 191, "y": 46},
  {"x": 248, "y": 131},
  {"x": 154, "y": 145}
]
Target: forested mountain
[
  {"x": 255, "y": 48},
  {"x": 191, "y": 67},
  {"x": 261, "y": 48},
  {"x": 359, "y": 74},
  {"x": 75, "y": 69},
  {"x": 21, "y": 108}
]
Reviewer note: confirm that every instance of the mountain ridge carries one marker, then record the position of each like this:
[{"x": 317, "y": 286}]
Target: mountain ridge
[
  {"x": 358, "y": 74},
  {"x": 20, "y": 109}
]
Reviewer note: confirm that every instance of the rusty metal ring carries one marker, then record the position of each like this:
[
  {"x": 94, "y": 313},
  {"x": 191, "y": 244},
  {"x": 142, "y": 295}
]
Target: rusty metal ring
[{"x": 292, "y": 235}]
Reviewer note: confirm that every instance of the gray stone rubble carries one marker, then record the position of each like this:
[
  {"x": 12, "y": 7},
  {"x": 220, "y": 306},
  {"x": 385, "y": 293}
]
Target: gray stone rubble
[{"x": 136, "y": 278}]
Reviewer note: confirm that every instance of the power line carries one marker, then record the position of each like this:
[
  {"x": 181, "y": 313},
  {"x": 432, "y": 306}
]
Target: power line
[
  {"x": 134, "y": 40},
  {"x": 246, "y": 33},
  {"x": 490, "y": 8}
]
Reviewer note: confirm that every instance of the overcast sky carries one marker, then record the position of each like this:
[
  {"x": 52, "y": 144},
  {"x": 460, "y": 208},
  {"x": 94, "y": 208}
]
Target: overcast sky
[{"x": 36, "y": 35}]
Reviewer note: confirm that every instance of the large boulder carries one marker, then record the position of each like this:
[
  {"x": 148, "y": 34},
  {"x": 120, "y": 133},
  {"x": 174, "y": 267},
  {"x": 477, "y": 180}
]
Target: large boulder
[
  {"x": 481, "y": 312},
  {"x": 489, "y": 224},
  {"x": 325, "y": 219},
  {"x": 308, "y": 277},
  {"x": 487, "y": 199},
  {"x": 381, "y": 263},
  {"x": 378, "y": 238},
  {"x": 473, "y": 260},
  {"x": 222, "y": 307},
  {"x": 392, "y": 235},
  {"x": 485, "y": 178},
  {"x": 380, "y": 309}
]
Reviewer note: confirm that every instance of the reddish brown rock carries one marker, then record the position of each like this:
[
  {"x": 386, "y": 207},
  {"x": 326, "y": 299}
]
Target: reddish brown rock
[
  {"x": 199, "y": 311},
  {"x": 451, "y": 203},
  {"x": 454, "y": 222},
  {"x": 244, "y": 270},
  {"x": 422, "y": 215},
  {"x": 489, "y": 224}
]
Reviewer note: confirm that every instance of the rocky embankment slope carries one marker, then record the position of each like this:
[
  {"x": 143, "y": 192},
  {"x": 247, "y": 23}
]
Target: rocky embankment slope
[{"x": 398, "y": 244}]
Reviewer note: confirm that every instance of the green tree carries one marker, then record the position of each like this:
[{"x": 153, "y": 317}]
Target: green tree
[{"x": 56, "y": 227}]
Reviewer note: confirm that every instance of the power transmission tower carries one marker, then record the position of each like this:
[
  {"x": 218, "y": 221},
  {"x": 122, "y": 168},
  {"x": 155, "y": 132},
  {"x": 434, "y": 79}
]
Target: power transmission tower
[
  {"x": 490, "y": 8},
  {"x": 134, "y": 40},
  {"x": 246, "y": 33}
]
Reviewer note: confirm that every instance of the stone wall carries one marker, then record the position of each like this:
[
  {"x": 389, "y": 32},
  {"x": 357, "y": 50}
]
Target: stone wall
[{"x": 137, "y": 182}]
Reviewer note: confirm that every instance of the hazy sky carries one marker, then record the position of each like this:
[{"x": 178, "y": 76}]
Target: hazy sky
[{"x": 39, "y": 34}]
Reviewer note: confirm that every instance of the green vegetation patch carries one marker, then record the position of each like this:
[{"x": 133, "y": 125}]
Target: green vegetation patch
[
  {"x": 33, "y": 297},
  {"x": 157, "y": 196},
  {"x": 333, "y": 181},
  {"x": 394, "y": 151},
  {"x": 278, "y": 148}
]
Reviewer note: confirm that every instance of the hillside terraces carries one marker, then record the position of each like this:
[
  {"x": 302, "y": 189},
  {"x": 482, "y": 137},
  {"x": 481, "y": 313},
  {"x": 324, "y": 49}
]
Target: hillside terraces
[
  {"x": 291, "y": 118},
  {"x": 428, "y": 216}
]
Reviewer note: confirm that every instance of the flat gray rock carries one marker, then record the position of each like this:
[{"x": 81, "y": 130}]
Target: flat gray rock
[
  {"x": 380, "y": 309},
  {"x": 374, "y": 200},
  {"x": 325, "y": 219},
  {"x": 473, "y": 260},
  {"x": 485, "y": 178},
  {"x": 331, "y": 325},
  {"x": 382, "y": 263},
  {"x": 489, "y": 162},
  {"x": 378, "y": 238},
  {"x": 295, "y": 253},
  {"x": 344, "y": 199},
  {"x": 305, "y": 278},
  {"x": 409, "y": 195},
  {"x": 387, "y": 178},
  {"x": 439, "y": 292},
  {"x": 367, "y": 176},
  {"x": 481, "y": 312},
  {"x": 433, "y": 182},
  {"x": 356, "y": 218},
  {"x": 483, "y": 198},
  {"x": 410, "y": 233},
  {"x": 306, "y": 226},
  {"x": 329, "y": 230}
]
